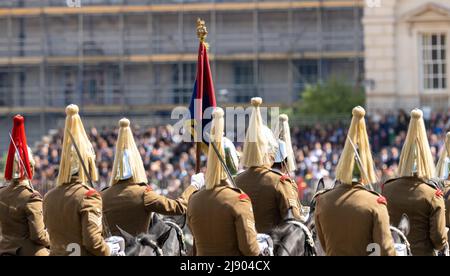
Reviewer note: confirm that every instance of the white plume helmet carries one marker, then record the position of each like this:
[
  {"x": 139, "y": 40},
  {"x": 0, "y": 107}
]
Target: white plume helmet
[
  {"x": 416, "y": 157},
  {"x": 70, "y": 163},
  {"x": 215, "y": 173},
  {"x": 358, "y": 135},
  {"x": 17, "y": 163},
  {"x": 283, "y": 133},
  {"x": 260, "y": 144},
  {"x": 442, "y": 168},
  {"x": 127, "y": 161}
]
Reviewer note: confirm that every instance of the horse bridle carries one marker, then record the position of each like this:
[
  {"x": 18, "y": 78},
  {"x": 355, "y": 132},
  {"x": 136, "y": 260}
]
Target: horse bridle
[
  {"x": 180, "y": 236},
  {"x": 404, "y": 240},
  {"x": 308, "y": 234},
  {"x": 153, "y": 245}
]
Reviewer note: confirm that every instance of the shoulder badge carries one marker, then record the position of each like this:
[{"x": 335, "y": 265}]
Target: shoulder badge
[
  {"x": 91, "y": 192},
  {"x": 244, "y": 197},
  {"x": 381, "y": 200},
  {"x": 439, "y": 193},
  {"x": 148, "y": 189}
]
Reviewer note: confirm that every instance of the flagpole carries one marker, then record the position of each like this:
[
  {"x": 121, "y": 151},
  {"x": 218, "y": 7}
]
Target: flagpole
[{"x": 201, "y": 34}]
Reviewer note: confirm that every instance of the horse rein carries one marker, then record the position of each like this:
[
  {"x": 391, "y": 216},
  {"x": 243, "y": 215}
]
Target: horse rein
[
  {"x": 180, "y": 236},
  {"x": 153, "y": 245},
  {"x": 309, "y": 236},
  {"x": 403, "y": 238}
]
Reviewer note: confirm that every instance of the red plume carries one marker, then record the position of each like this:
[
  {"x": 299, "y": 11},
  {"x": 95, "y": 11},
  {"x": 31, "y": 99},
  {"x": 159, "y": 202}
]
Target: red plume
[{"x": 20, "y": 139}]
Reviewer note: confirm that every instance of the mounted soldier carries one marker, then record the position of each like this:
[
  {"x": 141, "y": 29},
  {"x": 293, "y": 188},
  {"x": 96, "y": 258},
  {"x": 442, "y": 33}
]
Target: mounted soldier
[
  {"x": 415, "y": 194},
  {"x": 350, "y": 218},
  {"x": 443, "y": 172},
  {"x": 73, "y": 209},
  {"x": 129, "y": 192},
  {"x": 221, "y": 217},
  {"x": 271, "y": 191},
  {"x": 22, "y": 226}
]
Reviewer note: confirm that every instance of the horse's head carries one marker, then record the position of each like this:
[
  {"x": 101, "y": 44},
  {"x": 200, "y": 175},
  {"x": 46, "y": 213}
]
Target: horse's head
[
  {"x": 310, "y": 223},
  {"x": 142, "y": 245},
  {"x": 399, "y": 234},
  {"x": 169, "y": 233},
  {"x": 292, "y": 238}
]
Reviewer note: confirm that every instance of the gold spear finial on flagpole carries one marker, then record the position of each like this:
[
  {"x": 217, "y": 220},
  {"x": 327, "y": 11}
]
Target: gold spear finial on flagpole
[{"x": 202, "y": 31}]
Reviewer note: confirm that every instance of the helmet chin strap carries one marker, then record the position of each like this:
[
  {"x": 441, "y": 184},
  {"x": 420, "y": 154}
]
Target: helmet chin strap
[{"x": 20, "y": 161}]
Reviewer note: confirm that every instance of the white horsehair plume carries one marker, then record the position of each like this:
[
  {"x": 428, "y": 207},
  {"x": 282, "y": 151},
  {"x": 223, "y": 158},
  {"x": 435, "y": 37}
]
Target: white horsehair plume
[
  {"x": 215, "y": 173},
  {"x": 126, "y": 145},
  {"x": 358, "y": 135},
  {"x": 69, "y": 158},
  {"x": 416, "y": 158},
  {"x": 255, "y": 152},
  {"x": 443, "y": 158}
]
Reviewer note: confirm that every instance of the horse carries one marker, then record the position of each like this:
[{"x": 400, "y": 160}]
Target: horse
[
  {"x": 165, "y": 237},
  {"x": 399, "y": 233},
  {"x": 292, "y": 238}
]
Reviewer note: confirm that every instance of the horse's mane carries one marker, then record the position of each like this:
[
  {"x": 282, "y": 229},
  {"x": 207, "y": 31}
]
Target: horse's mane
[{"x": 286, "y": 239}]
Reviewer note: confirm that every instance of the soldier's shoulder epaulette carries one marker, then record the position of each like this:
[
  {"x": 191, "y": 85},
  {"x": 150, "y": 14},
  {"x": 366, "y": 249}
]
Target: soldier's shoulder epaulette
[
  {"x": 240, "y": 194},
  {"x": 435, "y": 183},
  {"x": 389, "y": 181},
  {"x": 276, "y": 172},
  {"x": 36, "y": 195},
  {"x": 380, "y": 198},
  {"x": 89, "y": 192},
  {"x": 321, "y": 192}
]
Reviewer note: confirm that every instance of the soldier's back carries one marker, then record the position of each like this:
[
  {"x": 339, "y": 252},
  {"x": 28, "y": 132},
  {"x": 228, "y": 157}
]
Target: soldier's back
[
  {"x": 346, "y": 216},
  {"x": 260, "y": 184},
  {"x": 14, "y": 223},
  {"x": 212, "y": 215},
  {"x": 123, "y": 206},
  {"x": 62, "y": 206},
  {"x": 414, "y": 197}
]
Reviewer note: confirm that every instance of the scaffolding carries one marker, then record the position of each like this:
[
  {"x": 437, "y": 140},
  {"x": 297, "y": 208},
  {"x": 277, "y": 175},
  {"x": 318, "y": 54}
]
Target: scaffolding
[{"x": 22, "y": 51}]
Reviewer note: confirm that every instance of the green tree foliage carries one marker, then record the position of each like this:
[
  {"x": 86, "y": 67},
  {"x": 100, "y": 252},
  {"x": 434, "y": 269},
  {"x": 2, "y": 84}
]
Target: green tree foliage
[{"x": 331, "y": 98}]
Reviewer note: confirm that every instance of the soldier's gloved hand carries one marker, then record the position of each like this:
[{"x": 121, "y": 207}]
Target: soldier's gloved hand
[
  {"x": 265, "y": 245},
  {"x": 116, "y": 246},
  {"x": 198, "y": 181}
]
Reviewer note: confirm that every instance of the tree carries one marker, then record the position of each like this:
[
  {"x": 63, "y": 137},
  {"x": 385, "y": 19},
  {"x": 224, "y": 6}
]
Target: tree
[{"x": 328, "y": 99}]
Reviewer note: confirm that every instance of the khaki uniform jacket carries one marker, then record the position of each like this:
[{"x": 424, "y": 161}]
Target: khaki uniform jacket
[
  {"x": 221, "y": 221},
  {"x": 272, "y": 195},
  {"x": 447, "y": 206},
  {"x": 73, "y": 215},
  {"x": 130, "y": 206},
  {"x": 22, "y": 224},
  {"x": 425, "y": 207},
  {"x": 349, "y": 218}
]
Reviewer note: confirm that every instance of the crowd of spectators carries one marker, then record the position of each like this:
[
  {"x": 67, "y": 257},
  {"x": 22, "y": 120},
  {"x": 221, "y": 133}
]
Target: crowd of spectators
[{"x": 169, "y": 162}]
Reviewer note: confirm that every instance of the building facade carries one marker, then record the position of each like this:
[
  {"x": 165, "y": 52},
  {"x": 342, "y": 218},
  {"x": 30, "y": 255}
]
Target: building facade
[
  {"x": 406, "y": 54},
  {"x": 137, "y": 58}
]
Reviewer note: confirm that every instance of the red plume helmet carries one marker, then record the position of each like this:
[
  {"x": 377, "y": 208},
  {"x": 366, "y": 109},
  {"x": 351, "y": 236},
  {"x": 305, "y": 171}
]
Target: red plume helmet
[{"x": 20, "y": 140}]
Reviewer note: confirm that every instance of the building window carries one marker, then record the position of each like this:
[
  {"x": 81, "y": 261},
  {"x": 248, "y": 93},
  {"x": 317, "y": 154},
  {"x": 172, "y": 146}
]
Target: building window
[
  {"x": 5, "y": 88},
  {"x": 434, "y": 61},
  {"x": 183, "y": 77},
  {"x": 244, "y": 82},
  {"x": 307, "y": 73}
]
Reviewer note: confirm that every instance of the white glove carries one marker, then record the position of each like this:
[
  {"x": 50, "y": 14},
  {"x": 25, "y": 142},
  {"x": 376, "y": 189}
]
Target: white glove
[
  {"x": 265, "y": 245},
  {"x": 198, "y": 181},
  {"x": 116, "y": 246}
]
